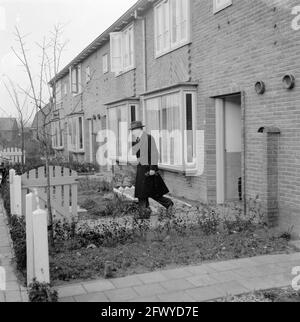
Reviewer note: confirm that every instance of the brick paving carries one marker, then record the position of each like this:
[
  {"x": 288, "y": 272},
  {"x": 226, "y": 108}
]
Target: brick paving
[
  {"x": 189, "y": 284},
  {"x": 13, "y": 292}
]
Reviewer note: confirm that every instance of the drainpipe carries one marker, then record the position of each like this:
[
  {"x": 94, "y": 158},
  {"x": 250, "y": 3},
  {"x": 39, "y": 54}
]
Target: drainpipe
[
  {"x": 145, "y": 53},
  {"x": 244, "y": 152}
]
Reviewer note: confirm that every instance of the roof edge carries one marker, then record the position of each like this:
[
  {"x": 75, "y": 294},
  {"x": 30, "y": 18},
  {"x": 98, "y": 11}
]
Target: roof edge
[{"x": 124, "y": 20}]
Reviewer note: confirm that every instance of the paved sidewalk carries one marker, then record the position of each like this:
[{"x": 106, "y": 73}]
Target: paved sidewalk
[
  {"x": 14, "y": 291},
  {"x": 192, "y": 283}
]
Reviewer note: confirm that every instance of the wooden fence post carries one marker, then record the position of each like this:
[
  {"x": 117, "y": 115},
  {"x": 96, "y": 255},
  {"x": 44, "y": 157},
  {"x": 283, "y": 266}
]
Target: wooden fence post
[
  {"x": 12, "y": 174},
  {"x": 17, "y": 191},
  {"x": 2, "y": 279},
  {"x": 40, "y": 244},
  {"x": 30, "y": 206}
]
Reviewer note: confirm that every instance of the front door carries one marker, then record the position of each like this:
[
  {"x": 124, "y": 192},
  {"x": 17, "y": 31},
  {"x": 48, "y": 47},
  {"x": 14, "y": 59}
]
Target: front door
[{"x": 229, "y": 148}]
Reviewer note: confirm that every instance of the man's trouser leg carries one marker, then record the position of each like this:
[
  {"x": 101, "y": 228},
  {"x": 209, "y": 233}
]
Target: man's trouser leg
[
  {"x": 144, "y": 203},
  {"x": 164, "y": 201}
]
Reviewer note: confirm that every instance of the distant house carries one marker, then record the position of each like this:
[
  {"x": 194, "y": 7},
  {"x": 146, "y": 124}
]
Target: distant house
[
  {"x": 40, "y": 117},
  {"x": 8, "y": 130}
]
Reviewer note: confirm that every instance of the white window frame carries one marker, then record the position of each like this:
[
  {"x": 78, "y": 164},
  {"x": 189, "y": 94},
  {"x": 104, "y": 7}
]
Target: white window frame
[
  {"x": 170, "y": 45},
  {"x": 57, "y": 135},
  {"x": 74, "y": 141},
  {"x": 78, "y": 80},
  {"x": 123, "y": 42},
  {"x": 58, "y": 93},
  {"x": 105, "y": 64},
  {"x": 221, "y": 6},
  {"x": 65, "y": 89},
  {"x": 87, "y": 74},
  {"x": 187, "y": 167},
  {"x": 127, "y": 105}
]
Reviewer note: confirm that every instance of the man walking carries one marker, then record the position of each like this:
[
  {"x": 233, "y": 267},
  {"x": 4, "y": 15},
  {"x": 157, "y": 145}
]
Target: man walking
[{"x": 149, "y": 183}]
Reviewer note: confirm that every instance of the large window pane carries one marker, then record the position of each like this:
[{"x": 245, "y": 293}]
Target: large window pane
[
  {"x": 189, "y": 128},
  {"x": 153, "y": 120},
  {"x": 80, "y": 133},
  {"x": 171, "y": 141}
]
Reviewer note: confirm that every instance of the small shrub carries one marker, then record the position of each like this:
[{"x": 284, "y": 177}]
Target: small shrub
[
  {"x": 18, "y": 236},
  {"x": 63, "y": 230},
  {"x": 41, "y": 292},
  {"x": 5, "y": 193},
  {"x": 208, "y": 221}
]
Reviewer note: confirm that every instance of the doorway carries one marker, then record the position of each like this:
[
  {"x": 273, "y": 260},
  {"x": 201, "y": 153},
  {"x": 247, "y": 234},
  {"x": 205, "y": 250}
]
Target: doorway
[{"x": 229, "y": 148}]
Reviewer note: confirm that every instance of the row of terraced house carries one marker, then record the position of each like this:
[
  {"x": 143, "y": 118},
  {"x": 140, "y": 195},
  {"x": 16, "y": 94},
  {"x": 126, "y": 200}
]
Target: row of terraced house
[{"x": 224, "y": 72}]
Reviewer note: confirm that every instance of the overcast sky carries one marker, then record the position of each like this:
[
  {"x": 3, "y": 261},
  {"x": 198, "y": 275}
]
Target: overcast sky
[{"x": 84, "y": 20}]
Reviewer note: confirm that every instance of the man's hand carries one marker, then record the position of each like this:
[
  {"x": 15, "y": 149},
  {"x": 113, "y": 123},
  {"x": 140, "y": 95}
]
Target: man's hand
[{"x": 152, "y": 173}]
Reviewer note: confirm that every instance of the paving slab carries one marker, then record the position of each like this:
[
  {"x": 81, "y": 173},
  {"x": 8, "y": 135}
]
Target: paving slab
[
  {"x": 150, "y": 289},
  {"x": 67, "y": 299},
  {"x": 177, "y": 285},
  {"x": 202, "y": 280},
  {"x": 94, "y": 297},
  {"x": 98, "y": 286},
  {"x": 12, "y": 292},
  {"x": 13, "y": 296},
  {"x": 126, "y": 281},
  {"x": 176, "y": 297},
  {"x": 233, "y": 288},
  {"x": 202, "y": 294},
  {"x": 121, "y": 295},
  {"x": 149, "y": 278},
  {"x": 177, "y": 273},
  {"x": 71, "y": 290}
]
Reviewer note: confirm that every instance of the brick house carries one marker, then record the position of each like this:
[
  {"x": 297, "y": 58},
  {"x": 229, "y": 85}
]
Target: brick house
[
  {"x": 9, "y": 131},
  {"x": 224, "y": 72}
]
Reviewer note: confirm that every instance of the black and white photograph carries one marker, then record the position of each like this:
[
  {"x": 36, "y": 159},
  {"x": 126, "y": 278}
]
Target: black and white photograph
[{"x": 149, "y": 154}]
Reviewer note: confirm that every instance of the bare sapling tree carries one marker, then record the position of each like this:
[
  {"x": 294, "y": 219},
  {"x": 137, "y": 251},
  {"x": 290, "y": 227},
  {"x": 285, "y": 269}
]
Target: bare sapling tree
[
  {"x": 23, "y": 110},
  {"x": 43, "y": 95}
]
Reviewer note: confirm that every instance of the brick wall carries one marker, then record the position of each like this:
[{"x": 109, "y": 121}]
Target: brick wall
[{"x": 231, "y": 50}]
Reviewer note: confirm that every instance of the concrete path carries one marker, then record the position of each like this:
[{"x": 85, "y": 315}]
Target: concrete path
[
  {"x": 192, "y": 283},
  {"x": 13, "y": 292}
]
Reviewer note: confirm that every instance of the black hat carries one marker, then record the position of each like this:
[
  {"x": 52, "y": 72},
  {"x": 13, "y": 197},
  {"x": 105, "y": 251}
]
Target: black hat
[{"x": 136, "y": 125}]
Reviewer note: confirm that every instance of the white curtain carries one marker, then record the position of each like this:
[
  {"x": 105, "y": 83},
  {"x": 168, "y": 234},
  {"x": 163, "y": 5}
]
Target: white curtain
[
  {"x": 153, "y": 119},
  {"x": 171, "y": 130},
  {"x": 123, "y": 132},
  {"x": 112, "y": 133}
]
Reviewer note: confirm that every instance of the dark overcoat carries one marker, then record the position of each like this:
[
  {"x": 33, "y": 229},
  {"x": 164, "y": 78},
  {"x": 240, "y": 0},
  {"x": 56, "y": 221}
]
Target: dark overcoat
[{"x": 147, "y": 155}]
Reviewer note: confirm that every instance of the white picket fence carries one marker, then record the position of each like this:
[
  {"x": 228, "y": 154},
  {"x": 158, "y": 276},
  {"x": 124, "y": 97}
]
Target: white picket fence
[
  {"x": 28, "y": 198},
  {"x": 14, "y": 155},
  {"x": 36, "y": 240}
]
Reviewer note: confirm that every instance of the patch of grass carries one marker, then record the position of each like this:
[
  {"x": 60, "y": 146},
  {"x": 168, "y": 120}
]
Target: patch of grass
[
  {"x": 273, "y": 295},
  {"x": 138, "y": 255}
]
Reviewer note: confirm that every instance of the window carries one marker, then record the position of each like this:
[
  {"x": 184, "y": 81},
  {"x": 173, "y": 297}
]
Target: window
[
  {"x": 171, "y": 25},
  {"x": 170, "y": 119},
  {"x": 57, "y": 136},
  {"x": 122, "y": 50},
  {"x": 87, "y": 74},
  {"x": 221, "y": 4},
  {"x": 76, "y": 134},
  {"x": 65, "y": 89},
  {"x": 58, "y": 93},
  {"x": 105, "y": 63},
  {"x": 119, "y": 120},
  {"x": 76, "y": 79}
]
